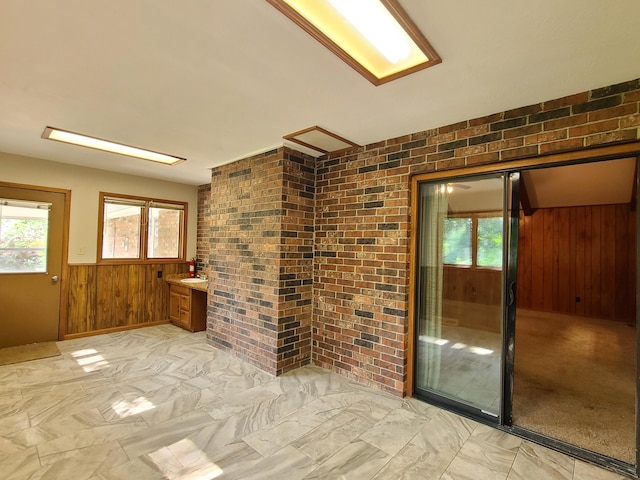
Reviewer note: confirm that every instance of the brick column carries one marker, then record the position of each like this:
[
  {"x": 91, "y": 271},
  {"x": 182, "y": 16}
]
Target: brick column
[{"x": 261, "y": 259}]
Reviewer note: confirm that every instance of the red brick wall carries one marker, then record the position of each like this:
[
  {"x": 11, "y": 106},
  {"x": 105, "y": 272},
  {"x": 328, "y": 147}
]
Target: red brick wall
[
  {"x": 261, "y": 233},
  {"x": 122, "y": 237},
  {"x": 261, "y": 259},
  {"x": 166, "y": 237},
  {"x": 203, "y": 228},
  {"x": 362, "y": 222}
]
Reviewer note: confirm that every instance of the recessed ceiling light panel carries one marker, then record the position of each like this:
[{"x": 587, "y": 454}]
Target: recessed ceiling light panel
[
  {"x": 65, "y": 136},
  {"x": 319, "y": 139},
  {"x": 375, "y": 37}
]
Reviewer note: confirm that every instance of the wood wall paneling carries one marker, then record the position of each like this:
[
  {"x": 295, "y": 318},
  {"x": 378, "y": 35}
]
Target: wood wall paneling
[
  {"x": 578, "y": 261},
  {"x": 106, "y": 297}
]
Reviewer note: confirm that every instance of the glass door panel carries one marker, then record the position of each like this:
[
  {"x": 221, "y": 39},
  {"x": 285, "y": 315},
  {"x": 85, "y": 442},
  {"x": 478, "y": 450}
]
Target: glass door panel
[{"x": 459, "y": 298}]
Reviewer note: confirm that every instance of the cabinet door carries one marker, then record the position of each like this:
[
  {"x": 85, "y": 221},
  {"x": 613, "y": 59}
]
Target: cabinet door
[
  {"x": 185, "y": 319},
  {"x": 174, "y": 306},
  {"x": 185, "y": 302}
]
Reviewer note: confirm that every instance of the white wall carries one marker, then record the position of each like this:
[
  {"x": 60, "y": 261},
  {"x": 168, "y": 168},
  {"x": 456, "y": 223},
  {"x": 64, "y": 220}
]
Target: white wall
[{"x": 85, "y": 184}]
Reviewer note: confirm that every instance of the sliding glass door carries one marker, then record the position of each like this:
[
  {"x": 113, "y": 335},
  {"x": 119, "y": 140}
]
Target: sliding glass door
[{"x": 463, "y": 292}]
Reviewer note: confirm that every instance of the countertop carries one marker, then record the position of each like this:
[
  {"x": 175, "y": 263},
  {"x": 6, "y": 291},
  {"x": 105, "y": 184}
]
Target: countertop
[{"x": 174, "y": 279}]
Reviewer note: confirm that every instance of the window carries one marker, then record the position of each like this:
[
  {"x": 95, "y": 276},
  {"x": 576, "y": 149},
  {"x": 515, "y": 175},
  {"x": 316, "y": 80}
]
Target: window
[
  {"x": 24, "y": 234},
  {"x": 141, "y": 229},
  {"x": 457, "y": 241},
  {"x": 473, "y": 240}
]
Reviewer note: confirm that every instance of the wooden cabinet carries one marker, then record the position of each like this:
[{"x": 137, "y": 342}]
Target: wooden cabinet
[{"x": 188, "y": 308}]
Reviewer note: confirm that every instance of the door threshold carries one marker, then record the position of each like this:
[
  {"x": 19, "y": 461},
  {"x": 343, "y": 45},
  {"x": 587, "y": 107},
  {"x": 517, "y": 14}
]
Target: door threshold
[
  {"x": 612, "y": 464},
  {"x": 609, "y": 463}
]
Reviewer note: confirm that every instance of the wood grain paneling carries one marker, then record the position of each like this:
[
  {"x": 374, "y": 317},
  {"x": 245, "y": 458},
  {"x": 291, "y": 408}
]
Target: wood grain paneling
[
  {"x": 579, "y": 261},
  {"x": 107, "y": 297}
]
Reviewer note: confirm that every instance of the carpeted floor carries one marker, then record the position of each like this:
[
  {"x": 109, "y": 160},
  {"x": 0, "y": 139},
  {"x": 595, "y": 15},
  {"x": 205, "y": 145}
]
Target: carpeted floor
[
  {"x": 575, "y": 381},
  {"x": 24, "y": 353}
]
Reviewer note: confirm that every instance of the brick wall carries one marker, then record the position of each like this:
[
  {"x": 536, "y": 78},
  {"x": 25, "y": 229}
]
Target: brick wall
[
  {"x": 261, "y": 227},
  {"x": 164, "y": 234},
  {"x": 362, "y": 217},
  {"x": 261, "y": 259},
  {"x": 122, "y": 237},
  {"x": 203, "y": 228}
]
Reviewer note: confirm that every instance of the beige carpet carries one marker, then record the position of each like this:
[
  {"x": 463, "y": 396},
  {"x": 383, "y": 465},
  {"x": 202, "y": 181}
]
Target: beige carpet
[
  {"x": 24, "y": 353},
  {"x": 575, "y": 381}
]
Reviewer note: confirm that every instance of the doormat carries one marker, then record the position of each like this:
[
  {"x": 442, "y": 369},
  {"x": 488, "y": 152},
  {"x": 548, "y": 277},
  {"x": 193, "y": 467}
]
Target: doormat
[{"x": 24, "y": 353}]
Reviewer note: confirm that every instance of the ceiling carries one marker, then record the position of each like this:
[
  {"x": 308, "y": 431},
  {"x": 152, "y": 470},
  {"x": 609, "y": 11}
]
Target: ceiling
[
  {"x": 216, "y": 81},
  {"x": 607, "y": 182},
  {"x": 598, "y": 183}
]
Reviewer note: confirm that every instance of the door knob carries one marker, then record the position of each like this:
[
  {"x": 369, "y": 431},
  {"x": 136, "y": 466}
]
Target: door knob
[{"x": 54, "y": 279}]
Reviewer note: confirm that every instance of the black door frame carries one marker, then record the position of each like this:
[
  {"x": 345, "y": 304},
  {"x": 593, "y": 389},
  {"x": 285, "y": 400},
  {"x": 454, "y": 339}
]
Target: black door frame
[{"x": 511, "y": 217}]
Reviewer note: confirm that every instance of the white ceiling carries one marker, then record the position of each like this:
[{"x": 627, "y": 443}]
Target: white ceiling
[{"x": 217, "y": 80}]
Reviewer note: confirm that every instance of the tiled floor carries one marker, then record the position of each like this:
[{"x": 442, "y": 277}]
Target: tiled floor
[{"x": 160, "y": 403}]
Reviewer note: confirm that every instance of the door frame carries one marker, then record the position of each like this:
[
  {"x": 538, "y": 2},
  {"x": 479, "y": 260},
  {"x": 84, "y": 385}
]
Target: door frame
[
  {"x": 64, "y": 283},
  {"x": 510, "y": 182},
  {"x": 610, "y": 152}
]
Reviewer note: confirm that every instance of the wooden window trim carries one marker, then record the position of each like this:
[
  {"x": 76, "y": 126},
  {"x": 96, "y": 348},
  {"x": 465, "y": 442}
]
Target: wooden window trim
[{"x": 142, "y": 259}]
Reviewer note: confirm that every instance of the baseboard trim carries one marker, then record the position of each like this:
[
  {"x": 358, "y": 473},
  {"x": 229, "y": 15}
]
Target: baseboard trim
[{"x": 71, "y": 336}]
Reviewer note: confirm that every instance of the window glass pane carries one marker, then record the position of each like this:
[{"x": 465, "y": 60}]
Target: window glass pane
[
  {"x": 121, "y": 231},
  {"x": 490, "y": 242},
  {"x": 457, "y": 241},
  {"x": 165, "y": 227},
  {"x": 24, "y": 235}
]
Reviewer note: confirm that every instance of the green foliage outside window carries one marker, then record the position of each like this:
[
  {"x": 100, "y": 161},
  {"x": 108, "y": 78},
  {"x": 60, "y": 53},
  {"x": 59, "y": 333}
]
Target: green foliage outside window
[
  {"x": 23, "y": 244},
  {"x": 489, "y": 242},
  {"x": 458, "y": 241}
]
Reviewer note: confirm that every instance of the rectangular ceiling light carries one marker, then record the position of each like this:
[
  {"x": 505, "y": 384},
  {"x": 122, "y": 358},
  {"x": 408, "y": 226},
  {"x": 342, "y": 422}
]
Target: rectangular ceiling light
[
  {"x": 375, "y": 37},
  {"x": 58, "y": 135},
  {"x": 319, "y": 139}
]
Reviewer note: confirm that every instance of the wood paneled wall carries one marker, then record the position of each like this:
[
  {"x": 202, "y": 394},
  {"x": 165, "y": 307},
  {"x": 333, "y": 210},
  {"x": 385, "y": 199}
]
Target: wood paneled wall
[
  {"x": 473, "y": 285},
  {"x": 579, "y": 261},
  {"x": 105, "y": 297}
]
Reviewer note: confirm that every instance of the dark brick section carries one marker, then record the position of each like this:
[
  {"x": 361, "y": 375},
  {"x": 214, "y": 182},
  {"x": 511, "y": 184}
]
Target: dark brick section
[
  {"x": 394, "y": 312},
  {"x": 388, "y": 165},
  {"x": 506, "y": 124},
  {"x": 598, "y": 104},
  {"x": 369, "y": 168},
  {"x": 261, "y": 221},
  {"x": 414, "y": 144},
  {"x": 616, "y": 89},
  {"x": 490, "y": 137},
  {"x": 452, "y": 145},
  {"x": 550, "y": 115},
  {"x": 369, "y": 337},
  {"x": 388, "y": 226},
  {"x": 397, "y": 156},
  {"x": 239, "y": 173}
]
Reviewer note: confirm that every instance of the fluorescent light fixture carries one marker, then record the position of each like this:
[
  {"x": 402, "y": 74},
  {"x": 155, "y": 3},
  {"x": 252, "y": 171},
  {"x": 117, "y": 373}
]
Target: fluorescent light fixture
[
  {"x": 319, "y": 139},
  {"x": 375, "y": 37},
  {"x": 58, "y": 135}
]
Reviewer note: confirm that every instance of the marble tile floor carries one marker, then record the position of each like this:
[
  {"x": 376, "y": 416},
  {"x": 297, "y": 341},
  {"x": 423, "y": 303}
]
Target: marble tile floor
[{"x": 159, "y": 403}]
